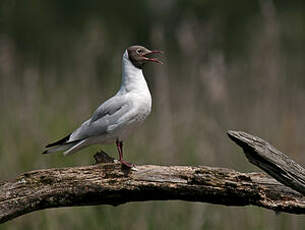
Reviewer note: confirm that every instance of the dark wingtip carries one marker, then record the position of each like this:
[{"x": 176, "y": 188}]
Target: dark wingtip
[
  {"x": 45, "y": 152},
  {"x": 59, "y": 142}
]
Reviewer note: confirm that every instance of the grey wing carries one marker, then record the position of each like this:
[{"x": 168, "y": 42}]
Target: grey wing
[
  {"x": 105, "y": 115},
  {"x": 109, "y": 107}
]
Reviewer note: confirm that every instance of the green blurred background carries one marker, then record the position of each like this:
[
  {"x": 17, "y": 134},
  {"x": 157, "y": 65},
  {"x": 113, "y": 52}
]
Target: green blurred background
[{"x": 228, "y": 65}]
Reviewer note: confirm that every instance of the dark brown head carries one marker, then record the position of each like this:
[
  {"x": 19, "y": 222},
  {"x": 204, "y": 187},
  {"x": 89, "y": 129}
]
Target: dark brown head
[{"x": 138, "y": 55}]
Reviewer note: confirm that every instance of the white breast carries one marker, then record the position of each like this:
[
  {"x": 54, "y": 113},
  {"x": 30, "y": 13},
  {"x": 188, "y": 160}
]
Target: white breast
[
  {"x": 142, "y": 105},
  {"x": 135, "y": 88}
]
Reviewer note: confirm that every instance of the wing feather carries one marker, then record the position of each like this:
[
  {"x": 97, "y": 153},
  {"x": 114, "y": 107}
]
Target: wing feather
[
  {"x": 109, "y": 107},
  {"x": 105, "y": 115}
]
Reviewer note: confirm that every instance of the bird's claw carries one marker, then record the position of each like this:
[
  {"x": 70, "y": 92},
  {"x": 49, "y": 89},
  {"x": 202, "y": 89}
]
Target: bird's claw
[{"x": 126, "y": 164}]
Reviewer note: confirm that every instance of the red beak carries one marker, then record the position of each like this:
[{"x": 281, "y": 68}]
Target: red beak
[{"x": 153, "y": 59}]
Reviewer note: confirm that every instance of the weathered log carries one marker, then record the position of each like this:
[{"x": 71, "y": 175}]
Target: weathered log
[
  {"x": 109, "y": 183},
  {"x": 262, "y": 154}
]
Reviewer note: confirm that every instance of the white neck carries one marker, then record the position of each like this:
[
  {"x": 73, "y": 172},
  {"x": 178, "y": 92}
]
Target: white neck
[{"x": 132, "y": 77}]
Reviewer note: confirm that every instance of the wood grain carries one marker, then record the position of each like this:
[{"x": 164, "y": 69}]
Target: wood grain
[
  {"x": 111, "y": 184},
  {"x": 277, "y": 164}
]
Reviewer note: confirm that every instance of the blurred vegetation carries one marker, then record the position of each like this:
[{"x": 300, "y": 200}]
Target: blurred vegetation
[{"x": 228, "y": 65}]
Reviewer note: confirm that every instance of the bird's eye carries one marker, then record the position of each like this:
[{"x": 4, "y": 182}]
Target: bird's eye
[{"x": 139, "y": 51}]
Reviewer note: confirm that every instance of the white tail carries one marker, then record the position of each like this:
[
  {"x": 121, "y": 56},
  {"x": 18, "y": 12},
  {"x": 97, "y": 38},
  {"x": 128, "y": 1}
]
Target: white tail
[
  {"x": 76, "y": 146},
  {"x": 58, "y": 148},
  {"x": 67, "y": 147}
]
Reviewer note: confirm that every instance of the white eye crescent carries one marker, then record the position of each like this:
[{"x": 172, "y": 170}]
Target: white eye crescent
[{"x": 139, "y": 51}]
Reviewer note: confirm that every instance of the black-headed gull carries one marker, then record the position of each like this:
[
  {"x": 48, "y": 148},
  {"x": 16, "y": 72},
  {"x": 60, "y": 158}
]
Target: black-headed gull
[{"x": 118, "y": 116}]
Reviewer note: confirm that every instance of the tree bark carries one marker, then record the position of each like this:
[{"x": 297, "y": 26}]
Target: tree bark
[
  {"x": 110, "y": 183},
  {"x": 262, "y": 154}
]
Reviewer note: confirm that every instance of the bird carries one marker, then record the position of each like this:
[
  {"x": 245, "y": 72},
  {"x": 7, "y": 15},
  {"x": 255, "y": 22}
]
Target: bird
[{"x": 118, "y": 116}]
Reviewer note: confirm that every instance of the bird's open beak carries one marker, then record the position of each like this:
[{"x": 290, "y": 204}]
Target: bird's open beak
[{"x": 152, "y": 59}]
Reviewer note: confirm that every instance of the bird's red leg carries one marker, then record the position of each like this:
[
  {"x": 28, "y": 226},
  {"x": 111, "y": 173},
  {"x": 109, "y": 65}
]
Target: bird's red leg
[{"x": 119, "y": 145}]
